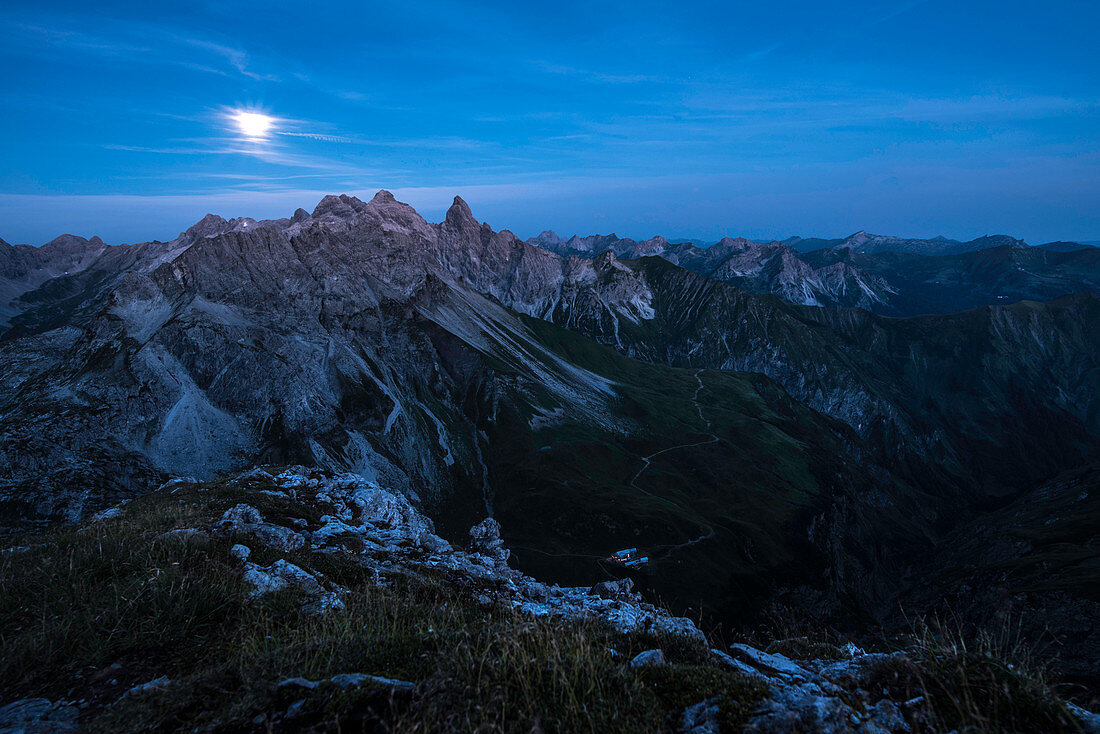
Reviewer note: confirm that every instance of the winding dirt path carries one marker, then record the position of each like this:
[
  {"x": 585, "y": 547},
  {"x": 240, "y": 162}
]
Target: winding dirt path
[
  {"x": 668, "y": 549},
  {"x": 647, "y": 460}
]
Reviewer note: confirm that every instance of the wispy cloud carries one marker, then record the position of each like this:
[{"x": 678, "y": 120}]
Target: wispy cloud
[
  {"x": 129, "y": 41},
  {"x": 763, "y": 52},
  {"x": 236, "y": 58},
  {"x": 597, "y": 76},
  {"x": 324, "y": 138},
  {"x": 59, "y": 37},
  {"x": 992, "y": 107},
  {"x": 892, "y": 13},
  {"x": 352, "y": 95}
]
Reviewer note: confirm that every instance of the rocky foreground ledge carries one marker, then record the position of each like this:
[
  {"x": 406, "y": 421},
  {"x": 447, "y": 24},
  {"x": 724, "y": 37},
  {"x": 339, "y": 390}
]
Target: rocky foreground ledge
[{"x": 299, "y": 599}]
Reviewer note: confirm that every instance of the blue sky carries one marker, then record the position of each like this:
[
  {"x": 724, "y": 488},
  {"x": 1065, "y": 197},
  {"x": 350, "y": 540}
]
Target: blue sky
[{"x": 688, "y": 119}]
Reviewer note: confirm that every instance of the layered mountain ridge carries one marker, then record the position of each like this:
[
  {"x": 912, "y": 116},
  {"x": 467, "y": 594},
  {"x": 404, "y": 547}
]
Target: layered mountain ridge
[
  {"x": 888, "y": 275},
  {"x": 752, "y": 446},
  {"x": 867, "y": 243}
]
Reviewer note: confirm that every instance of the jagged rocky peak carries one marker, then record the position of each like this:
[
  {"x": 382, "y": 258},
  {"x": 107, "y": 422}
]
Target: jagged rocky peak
[
  {"x": 590, "y": 244},
  {"x": 395, "y": 217},
  {"x": 385, "y": 204},
  {"x": 459, "y": 215},
  {"x": 658, "y": 246},
  {"x": 300, "y": 215},
  {"x": 857, "y": 239},
  {"x": 209, "y": 222},
  {"x": 605, "y": 259},
  {"x": 339, "y": 207}
]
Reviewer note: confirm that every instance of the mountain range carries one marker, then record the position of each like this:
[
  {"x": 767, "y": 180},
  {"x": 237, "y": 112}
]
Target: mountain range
[
  {"x": 591, "y": 395},
  {"x": 888, "y": 275}
]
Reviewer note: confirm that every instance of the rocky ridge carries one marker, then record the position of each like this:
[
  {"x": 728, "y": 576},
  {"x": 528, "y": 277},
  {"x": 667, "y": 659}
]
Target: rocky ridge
[
  {"x": 24, "y": 268},
  {"x": 358, "y": 339},
  {"x": 865, "y": 242},
  {"x": 757, "y": 267},
  {"x": 887, "y": 275},
  {"x": 387, "y": 538}
]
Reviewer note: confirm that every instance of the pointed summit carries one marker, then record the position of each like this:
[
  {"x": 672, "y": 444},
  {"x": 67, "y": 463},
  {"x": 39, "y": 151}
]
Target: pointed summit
[
  {"x": 605, "y": 259},
  {"x": 459, "y": 215},
  {"x": 384, "y": 203}
]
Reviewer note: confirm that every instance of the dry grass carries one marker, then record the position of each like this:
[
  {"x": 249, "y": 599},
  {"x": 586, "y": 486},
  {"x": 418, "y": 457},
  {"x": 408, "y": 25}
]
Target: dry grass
[
  {"x": 989, "y": 681},
  {"x": 88, "y": 613}
]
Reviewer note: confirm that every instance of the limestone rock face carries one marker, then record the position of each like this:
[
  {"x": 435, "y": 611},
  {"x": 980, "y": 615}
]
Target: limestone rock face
[
  {"x": 892, "y": 276},
  {"x": 485, "y": 539},
  {"x": 318, "y": 338},
  {"x": 24, "y": 268},
  {"x": 757, "y": 267},
  {"x": 388, "y": 543}
]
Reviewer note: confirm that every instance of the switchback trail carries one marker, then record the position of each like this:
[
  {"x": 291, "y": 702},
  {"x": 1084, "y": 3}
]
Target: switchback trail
[{"x": 647, "y": 460}]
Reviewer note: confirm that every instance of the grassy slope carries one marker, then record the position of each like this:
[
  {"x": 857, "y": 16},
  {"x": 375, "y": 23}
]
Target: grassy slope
[
  {"x": 991, "y": 383},
  {"x": 565, "y": 498},
  {"x": 89, "y": 612}
]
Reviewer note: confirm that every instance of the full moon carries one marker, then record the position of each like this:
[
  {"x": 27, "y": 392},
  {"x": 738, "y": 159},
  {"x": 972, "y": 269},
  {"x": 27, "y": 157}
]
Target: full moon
[{"x": 253, "y": 125}]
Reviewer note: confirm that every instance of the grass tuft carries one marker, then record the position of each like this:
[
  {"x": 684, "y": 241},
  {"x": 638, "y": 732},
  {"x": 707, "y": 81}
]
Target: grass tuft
[
  {"x": 986, "y": 682},
  {"x": 88, "y": 613}
]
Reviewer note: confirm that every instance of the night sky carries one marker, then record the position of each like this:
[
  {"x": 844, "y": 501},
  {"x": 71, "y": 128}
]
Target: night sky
[{"x": 687, "y": 119}]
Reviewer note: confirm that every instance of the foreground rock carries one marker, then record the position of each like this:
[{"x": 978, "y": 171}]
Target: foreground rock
[
  {"x": 37, "y": 716},
  {"x": 389, "y": 536},
  {"x": 841, "y": 693},
  {"x": 353, "y": 614},
  {"x": 827, "y": 695}
]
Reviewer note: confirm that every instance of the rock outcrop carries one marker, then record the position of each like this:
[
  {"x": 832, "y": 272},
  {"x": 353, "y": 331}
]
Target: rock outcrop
[{"x": 389, "y": 536}]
